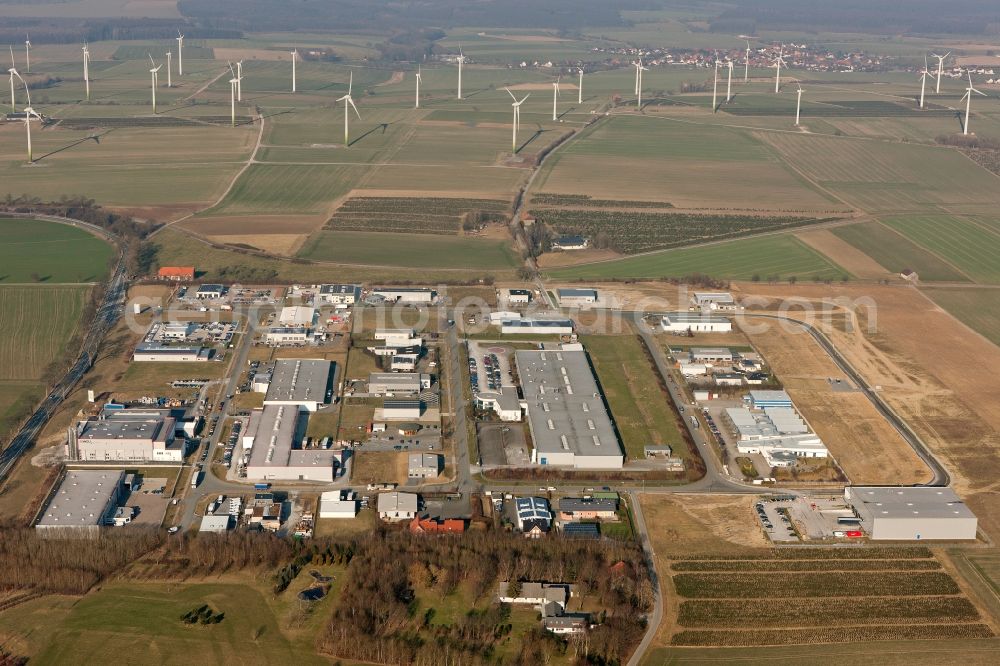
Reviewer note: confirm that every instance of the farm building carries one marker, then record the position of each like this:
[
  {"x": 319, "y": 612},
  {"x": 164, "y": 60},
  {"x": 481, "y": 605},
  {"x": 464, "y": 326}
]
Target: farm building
[
  {"x": 156, "y": 353},
  {"x": 125, "y": 436},
  {"x": 176, "y": 273},
  {"x": 566, "y": 415},
  {"x": 505, "y": 403},
  {"x": 680, "y": 322},
  {"x": 209, "y": 292},
  {"x": 273, "y": 455},
  {"x": 392, "y": 383},
  {"x": 576, "y": 297},
  {"x": 536, "y": 327},
  {"x": 287, "y": 335},
  {"x": 84, "y": 502},
  {"x": 296, "y": 316},
  {"x": 405, "y": 295},
  {"x": 339, "y": 294},
  {"x": 570, "y": 243},
  {"x": 306, "y": 383},
  {"x": 518, "y": 296},
  {"x": 713, "y": 300},
  {"x": 911, "y": 513},
  {"x": 395, "y": 506},
  {"x": 423, "y": 465}
]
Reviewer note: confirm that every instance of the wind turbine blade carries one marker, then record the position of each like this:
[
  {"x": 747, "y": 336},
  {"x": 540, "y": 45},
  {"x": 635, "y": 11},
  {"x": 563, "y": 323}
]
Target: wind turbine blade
[
  {"x": 525, "y": 97},
  {"x": 511, "y": 94},
  {"x": 350, "y": 84},
  {"x": 151, "y": 62},
  {"x": 351, "y": 101}
]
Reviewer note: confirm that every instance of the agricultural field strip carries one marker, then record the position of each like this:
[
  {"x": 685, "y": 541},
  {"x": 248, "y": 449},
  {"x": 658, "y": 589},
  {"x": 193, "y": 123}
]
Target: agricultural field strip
[
  {"x": 413, "y": 215},
  {"x": 896, "y": 252},
  {"x": 970, "y": 246}
]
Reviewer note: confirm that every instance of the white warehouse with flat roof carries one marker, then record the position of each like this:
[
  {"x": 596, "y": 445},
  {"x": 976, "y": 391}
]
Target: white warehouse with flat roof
[
  {"x": 569, "y": 425},
  {"x": 273, "y": 455},
  {"x": 303, "y": 382},
  {"x": 85, "y": 501},
  {"x": 680, "y": 322},
  {"x": 911, "y": 513}
]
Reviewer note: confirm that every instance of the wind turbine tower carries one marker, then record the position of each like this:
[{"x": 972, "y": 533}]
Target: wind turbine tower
[
  {"x": 715, "y": 86},
  {"x": 778, "y": 62},
  {"x": 798, "y": 107},
  {"x": 579, "y": 90},
  {"x": 295, "y": 56},
  {"x": 86, "y": 69},
  {"x": 232, "y": 100},
  {"x": 348, "y": 105},
  {"x": 239, "y": 80},
  {"x": 746, "y": 64},
  {"x": 461, "y": 60},
  {"x": 13, "y": 73},
  {"x": 968, "y": 101},
  {"x": 517, "y": 118},
  {"x": 639, "y": 69},
  {"x": 923, "y": 82},
  {"x": 27, "y": 55},
  {"x": 555, "y": 100},
  {"x": 28, "y": 112},
  {"x": 180, "y": 54},
  {"x": 940, "y": 70},
  {"x": 170, "y": 84},
  {"x": 418, "y": 77},
  {"x": 154, "y": 75},
  {"x": 729, "y": 82}
]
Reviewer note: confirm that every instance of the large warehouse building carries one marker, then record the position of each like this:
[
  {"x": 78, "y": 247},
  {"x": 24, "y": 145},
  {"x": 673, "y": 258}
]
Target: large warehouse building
[
  {"x": 681, "y": 322},
  {"x": 566, "y": 415},
  {"x": 273, "y": 456},
  {"x": 911, "y": 513},
  {"x": 125, "y": 436},
  {"x": 85, "y": 501},
  {"x": 305, "y": 382}
]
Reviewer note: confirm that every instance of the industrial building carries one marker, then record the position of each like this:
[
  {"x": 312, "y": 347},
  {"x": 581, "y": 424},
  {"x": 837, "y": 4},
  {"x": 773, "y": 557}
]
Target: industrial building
[
  {"x": 157, "y": 353},
  {"x": 125, "y": 436},
  {"x": 177, "y": 330},
  {"x": 681, "y": 322},
  {"x": 713, "y": 300},
  {"x": 711, "y": 355},
  {"x": 765, "y": 399},
  {"x": 209, "y": 292},
  {"x": 217, "y": 524},
  {"x": 85, "y": 501},
  {"x": 394, "y": 410},
  {"x": 405, "y": 295},
  {"x": 576, "y": 297},
  {"x": 306, "y": 383},
  {"x": 393, "y": 383},
  {"x": 404, "y": 362},
  {"x": 536, "y": 327},
  {"x": 566, "y": 415},
  {"x": 287, "y": 335},
  {"x": 423, "y": 465},
  {"x": 339, "y": 294},
  {"x": 395, "y": 506},
  {"x": 518, "y": 296},
  {"x": 911, "y": 513},
  {"x": 777, "y": 433},
  {"x": 273, "y": 455},
  {"x": 394, "y": 336},
  {"x": 504, "y": 403},
  {"x": 338, "y": 504},
  {"x": 296, "y": 316}
]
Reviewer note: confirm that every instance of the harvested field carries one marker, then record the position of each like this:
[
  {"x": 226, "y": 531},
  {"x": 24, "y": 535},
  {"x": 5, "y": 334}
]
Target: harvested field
[
  {"x": 842, "y": 253},
  {"x": 826, "y": 584},
  {"x": 979, "y": 309},
  {"x": 222, "y": 225},
  {"x": 863, "y": 443},
  {"x": 814, "y": 635},
  {"x": 926, "y": 564},
  {"x": 283, "y": 244}
]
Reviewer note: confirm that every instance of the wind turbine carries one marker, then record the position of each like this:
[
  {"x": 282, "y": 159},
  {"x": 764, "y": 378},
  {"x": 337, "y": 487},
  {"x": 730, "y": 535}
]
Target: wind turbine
[
  {"x": 154, "y": 75},
  {"x": 778, "y": 62},
  {"x": 715, "y": 85},
  {"x": 417, "y": 105},
  {"x": 27, "y": 54},
  {"x": 555, "y": 100},
  {"x": 461, "y": 59},
  {"x": 517, "y": 118},
  {"x": 638, "y": 84},
  {"x": 180, "y": 54},
  {"x": 579, "y": 90},
  {"x": 170, "y": 83},
  {"x": 729, "y": 82},
  {"x": 13, "y": 73},
  {"x": 232, "y": 100},
  {"x": 923, "y": 82},
  {"x": 239, "y": 80},
  {"x": 28, "y": 111},
  {"x": 348, "y": 102},
  {"x": 968, "y": 101},
  {"x": 940, "y": 70},
  {"x": 798, "y": 107},
  {"x": 86, "y": 69},
  {"x": 295, "y": 56},
  {"x": 746, "y": 64}
]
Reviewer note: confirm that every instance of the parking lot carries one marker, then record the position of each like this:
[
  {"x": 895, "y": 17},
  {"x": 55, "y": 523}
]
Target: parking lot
[{"x": 489, "y": 367}]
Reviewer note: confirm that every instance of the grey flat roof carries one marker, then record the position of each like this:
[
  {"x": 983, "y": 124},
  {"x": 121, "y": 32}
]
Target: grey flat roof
[
  {"x": 577, "y": 292},
  {"x": 400, "y": 379},
  {"x": 911, "y": 502},
  {"x": 299, "y": 380},
  {"x": 537, "y": 323},
  {"x": 272, "y": 443},
  {"x": 564, "y": 405},
  {"x": 82, "y": 498},
  {"x": 695, "y": 317},
  {"x": 122, "y": 425}
]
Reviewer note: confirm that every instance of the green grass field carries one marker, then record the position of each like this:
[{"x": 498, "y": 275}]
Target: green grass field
[
  {"x": 969, "y": 245},
  {"x": 36, "y": 323},
  {"x": 979, "y": 309},
  {"x": 640, "y": 407},
  {"x": 293, "y": 188},
  {"x": 896, "y": 252},
  {"x": 16, "y": 401},
  {"x": 782, "y": 256},
  {"x": 42, "y": 251},
  {"x": 143, "y": 620},
  {"x": 409, "y": 250}
]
